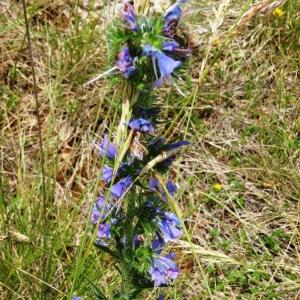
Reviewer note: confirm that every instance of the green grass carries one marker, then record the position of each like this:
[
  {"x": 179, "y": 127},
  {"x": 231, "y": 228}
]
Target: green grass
[{"x": 241, "y": 113}]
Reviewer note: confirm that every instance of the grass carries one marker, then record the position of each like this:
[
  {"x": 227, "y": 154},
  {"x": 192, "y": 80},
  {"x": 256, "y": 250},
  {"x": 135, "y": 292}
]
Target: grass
[{"x": 239, "y": 182}]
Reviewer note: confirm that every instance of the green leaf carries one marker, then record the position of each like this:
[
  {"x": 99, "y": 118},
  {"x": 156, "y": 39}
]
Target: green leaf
[{"x": 99, "y": 295}]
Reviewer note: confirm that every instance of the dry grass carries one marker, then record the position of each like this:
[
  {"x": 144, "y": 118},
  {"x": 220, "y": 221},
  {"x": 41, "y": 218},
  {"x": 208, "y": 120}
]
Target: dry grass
[{"x": 241, "y": 114}]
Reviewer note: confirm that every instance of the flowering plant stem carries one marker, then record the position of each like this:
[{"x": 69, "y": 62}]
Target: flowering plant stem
[
  {"x": 131, "y": 216},
  {"x": 126, "y": 282}
]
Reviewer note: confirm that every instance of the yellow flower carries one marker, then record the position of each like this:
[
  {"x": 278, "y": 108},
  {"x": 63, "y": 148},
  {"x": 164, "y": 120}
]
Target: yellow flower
[
  {"x": 278, "y": 12},
  {"x": 218, "y": 187}
]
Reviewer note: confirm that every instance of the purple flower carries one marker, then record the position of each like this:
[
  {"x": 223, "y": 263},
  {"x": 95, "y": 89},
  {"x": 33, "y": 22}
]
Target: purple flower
[
  {"x": 107, "y": 174},
  {"x": 171, "y": 187},
  {"x": 171, "y": 19},
  {"x": 76, "y": 298},
  {"x": 124, "y": 63},
  {"x": 161, "y": 297},
  {"x": 163, "y": 269},
  {"x": 172, "y": 46},
  {"x": 157, "y": 276},
  {"x": 99, "y": 210},
  {"x": 175, "y": 145},
  {"x": 104, "y": 231},
  {"x": 120, "y": 188},
  {"x": 106, "y": 148},
  {"x": 166, "y": 64},
  {"x": 153, "y": 183},
  {"x": 169, "y": 226},
  {"x": 157, "y": 245},
  {"x": 129, "y": 16},
  {"x": 95, "y": 215},
  {"x": 159, "y": 144},
  {"x": 142, "y": 125}
]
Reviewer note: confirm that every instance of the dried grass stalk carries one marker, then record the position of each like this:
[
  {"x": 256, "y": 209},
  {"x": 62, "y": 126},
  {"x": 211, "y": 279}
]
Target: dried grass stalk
[{"x": 263, "y": 7}]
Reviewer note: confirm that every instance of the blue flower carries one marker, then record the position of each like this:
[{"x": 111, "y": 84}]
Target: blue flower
[
  {"x": 120, "y": 188},
  {"x": 76, "y": 298},
  {"x": 107, "y": 174},
  {"x": 106, "y": 148},
  {"x": 124, "y": 63},
  {"x": 161, "y": 297},
  {"x": 129, "y": 16},
  {"x": 100, "y": 210},
  {"x": 176, "y": 145},
  {"x": 166, "y": 64},
  {"x": 173, "y": 46},
  {"x": 157, "y": 245},
  {"x": 104, "y": 231},
  {"x": 169, "y": 226},
  {"x": 153, "y": 183},
  {"x": 171, "y": 187},
  {"x": 157, "y": 276},
  {"x": 170, "y": 46},
  {"x": 163, "y": 269},
  {"x": 142, "y": 125},
  {"x": 171, "y": 19}
]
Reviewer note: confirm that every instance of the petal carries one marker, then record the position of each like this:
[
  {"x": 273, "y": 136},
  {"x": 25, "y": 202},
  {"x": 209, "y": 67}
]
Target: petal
[
  {"x": 129, "y": 16},
  {"x": 157, "y": 245},
  {"x": 149, "y": 50},
  {"x": 95, "y": 216},
  {"x": 157, "y": 277},
  {"x": 169, "y": 231},
  {"x": 124, "y": 63},
  {"x": 107, "y": 149},
  {"x": 107, "y": 174},
  {"x": 166, "y": 64},
  {"x": 153, "y": 183},
  {"x": 171, "y": 187},
  {"x": 172, "y": 273},
  {"x": 120, "y": 188},
  {"x": 104, "y": 231},
  {"x": 173, "y": 218},
  {"x": 158, "y": 83},
  {"x": 170, "y": 46}
]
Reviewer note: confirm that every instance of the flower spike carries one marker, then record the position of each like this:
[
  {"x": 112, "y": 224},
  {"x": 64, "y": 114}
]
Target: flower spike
[{"x": 132, "y": 222}]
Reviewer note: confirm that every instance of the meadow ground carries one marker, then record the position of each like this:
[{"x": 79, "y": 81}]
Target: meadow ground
[{"x": 239, "y": 181}]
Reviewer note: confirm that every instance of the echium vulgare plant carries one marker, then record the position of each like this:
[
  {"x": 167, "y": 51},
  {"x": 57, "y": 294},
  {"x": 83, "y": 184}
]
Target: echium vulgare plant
[{"x": 133, "y": 216}]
